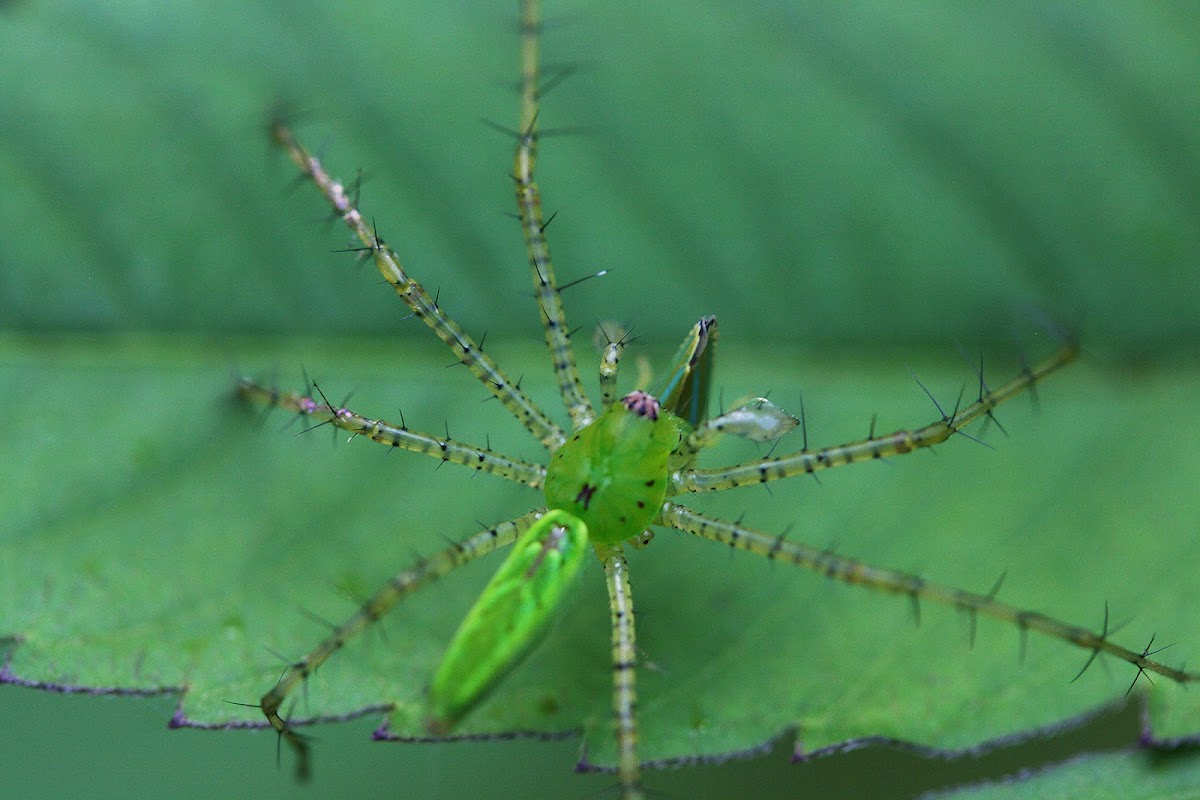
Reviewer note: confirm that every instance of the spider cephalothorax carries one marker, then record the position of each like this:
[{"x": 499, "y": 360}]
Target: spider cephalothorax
[{"x": 612, "y": 474}]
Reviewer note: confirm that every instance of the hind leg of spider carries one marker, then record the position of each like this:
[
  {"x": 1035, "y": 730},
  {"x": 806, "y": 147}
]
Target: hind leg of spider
[
  {"x": 847, "y": 570},
  {"x": 396, "y": 589},
  {"x": 624, "y": 669}
]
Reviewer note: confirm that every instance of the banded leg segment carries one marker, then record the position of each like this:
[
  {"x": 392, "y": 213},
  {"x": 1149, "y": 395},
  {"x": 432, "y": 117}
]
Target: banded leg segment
[
  {"x": 478, "y": 458},
  {"x": 624, "y": 666},
  {"x": 397, "y": 588},
  {"x": 529, "y": 208},
  {"x": 848, "y": 570},
  {"x": 894, "y": 444},
  {"x": 417, "y": 299}
]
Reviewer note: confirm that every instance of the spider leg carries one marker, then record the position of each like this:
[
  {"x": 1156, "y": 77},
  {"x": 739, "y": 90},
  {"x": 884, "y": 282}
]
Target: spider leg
[
  {"x": 441, "y": 448},
  {"x": 414, "y": 295},
  {"x": 396, "y": 589},
  {"x": 901, "y": 442},
  {"x": 624, "y": 669},
  {"x": 855, "y": 572},
  {"x": 529, "y": 209}
]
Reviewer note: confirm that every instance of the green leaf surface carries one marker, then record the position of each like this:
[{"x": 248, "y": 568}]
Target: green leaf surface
[
  {"x": 848, "y": 188},
  {"x": 1111, "y": 776}
]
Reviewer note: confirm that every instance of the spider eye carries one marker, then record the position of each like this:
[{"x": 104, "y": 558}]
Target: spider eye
[{"x": 642, "y": 404}]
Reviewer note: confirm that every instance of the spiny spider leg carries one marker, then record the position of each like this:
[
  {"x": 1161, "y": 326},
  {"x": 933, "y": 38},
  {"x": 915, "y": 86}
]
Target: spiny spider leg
[
  {"x": 529, "y": 207},
  {"x": 415, "y": 296},
  {"x": 443, "y": 449},
  {"x": 854, "y": 572},
  {"x": 901, "y": 442},
  {"x": 624, "y": 668},
  {"x": 396, "y": 589}
]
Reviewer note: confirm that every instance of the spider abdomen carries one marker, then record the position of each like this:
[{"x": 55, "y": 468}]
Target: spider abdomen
[{"x": 612, "y": 474}]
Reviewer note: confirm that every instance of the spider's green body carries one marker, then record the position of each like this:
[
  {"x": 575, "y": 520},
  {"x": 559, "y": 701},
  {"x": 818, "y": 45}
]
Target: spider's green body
[
  {"x": 605, "y": 484},
  {"x": 612, "y": 474}
]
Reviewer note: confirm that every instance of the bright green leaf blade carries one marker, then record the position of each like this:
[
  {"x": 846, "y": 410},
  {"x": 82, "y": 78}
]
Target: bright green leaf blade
[
  {"x": 867, "y": 179},
  {"x": 206, "y": 538}
]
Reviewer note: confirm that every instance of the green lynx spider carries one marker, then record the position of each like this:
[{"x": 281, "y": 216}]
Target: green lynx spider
[{"x": 607, "y": 481}]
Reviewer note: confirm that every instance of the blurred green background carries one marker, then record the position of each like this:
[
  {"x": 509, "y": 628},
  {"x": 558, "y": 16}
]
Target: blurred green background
[{"x": 850, "y": 187}]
